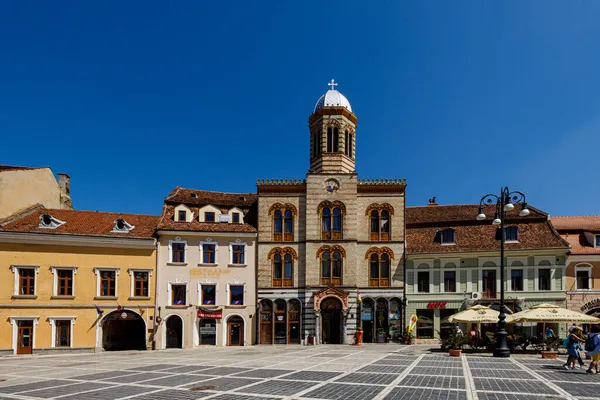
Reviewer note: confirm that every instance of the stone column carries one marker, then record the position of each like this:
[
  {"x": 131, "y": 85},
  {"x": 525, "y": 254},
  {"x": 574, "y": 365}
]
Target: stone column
[
  {"x": 344, "y": 326},
  {"x": 317, "y": 327}
]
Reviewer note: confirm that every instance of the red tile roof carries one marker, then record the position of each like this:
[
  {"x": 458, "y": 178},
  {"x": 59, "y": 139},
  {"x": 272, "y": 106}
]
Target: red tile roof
[
  {"x": 180, "y": 195},
  {"x": 86, "y": 223},
  {"x": 589, "y": 223},
  {"x": 424, "y": 223}
]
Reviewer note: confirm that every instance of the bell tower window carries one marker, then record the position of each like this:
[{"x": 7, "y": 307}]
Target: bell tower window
[
  {"x": 336, "y": 140},
  {"x": 329, "y": 140}
]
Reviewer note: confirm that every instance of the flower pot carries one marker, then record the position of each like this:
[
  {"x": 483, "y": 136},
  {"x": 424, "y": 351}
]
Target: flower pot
[
  {"x": 549, "y": 354},
  {"x": 455, "y": 353}
]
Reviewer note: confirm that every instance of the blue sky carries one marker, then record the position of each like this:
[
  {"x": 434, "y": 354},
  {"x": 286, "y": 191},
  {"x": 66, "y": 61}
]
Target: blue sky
[{"x": 134, "y": 98}]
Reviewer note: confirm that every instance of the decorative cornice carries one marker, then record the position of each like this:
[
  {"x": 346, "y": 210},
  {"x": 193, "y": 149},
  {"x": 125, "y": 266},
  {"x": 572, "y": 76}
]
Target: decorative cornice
[
  {"x": 283, "y": 251},
  {"x": 381, "y": 182},
  {"x": 76, "y": 240},
  {"x": 280, "y": 182}
]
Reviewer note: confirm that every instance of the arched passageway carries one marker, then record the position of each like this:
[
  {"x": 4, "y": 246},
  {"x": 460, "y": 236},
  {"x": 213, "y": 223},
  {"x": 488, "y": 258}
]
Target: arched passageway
[
  {"x": 123, "y": 330},
  {"x": 331, "y": 317},
  {"x": 174, "y": 332}
]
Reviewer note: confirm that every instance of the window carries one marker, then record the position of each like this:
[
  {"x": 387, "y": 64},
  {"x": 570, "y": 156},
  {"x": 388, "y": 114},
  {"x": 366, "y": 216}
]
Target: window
[
  {"x": 423, "y": 281},
  {"x": 449, "y": 281},
  {"x": 379, "y": 271},
  {"x": 62, "y": 337},
  {"x": 107, "y": 283},
  {"x": 597, "y": 241},
  {"x": 380, "y": 225},
  {"x": 584, "y": 277},
  {"x": 282, "y": 270},
  {"x": 236, "y": 295},
  {"x": 238, "y": 254},
  {"x": 331, "y": 268},
  {"x": 331, "y": 223},
  {"x": 236, "y": 218},
  {"x": 336, "y": 140},
  {"x": 64, "y": 282},
  {"x": 277, "y": 225},
  {"x": 448, "y": 236},
  {"x": 288, "y": 226},
  {"x": 178, "y": 295},
  {"x": 489, "y": 283},
  {"x": 182, "y": 215},
  {"x": 544, "y": 279},
  {"x": 329, "y": 140},
  {"x": 351, "y": 148},
  {"x": 346, "y": 144},
  {"x": 208, "y": 253},
  {"x": 209, "y": 295},
  {"x": 140, "y": 283},
  {"x": 283, "y": 225},
  {"x": 209, "y": 217},
  {"x": 26, "y": 281},
  {"x": 178, "y": 252},
  {"x": 512, "y": 233},
  {"x": 516, "y": 280}
]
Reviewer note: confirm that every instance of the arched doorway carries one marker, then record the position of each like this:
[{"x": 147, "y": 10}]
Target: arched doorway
[
  {"x": 235, "y": 331},
  {"x": 331, "y": 317},
  {"x": 208, "y": 331},
  {"x": 174, "y": 325},
  {"x": 280, "y": 322},
  {"x": 367, "y": 320},
  {"x": 294, "y": 308},
  {"x": 123, "y": 330},
  {"x": 266, "y": 322},
  {"x": 381, "y": 317}
]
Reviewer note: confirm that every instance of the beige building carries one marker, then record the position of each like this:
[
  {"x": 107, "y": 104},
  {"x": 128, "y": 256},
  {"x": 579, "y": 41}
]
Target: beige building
[
  {"x": 206, "y": 283},
  {"x": 324, "y": 240},
  {"x": 76, "y": 281},
  {"x": 23, "y": 187},
  {"x": 583, "y": 263}
]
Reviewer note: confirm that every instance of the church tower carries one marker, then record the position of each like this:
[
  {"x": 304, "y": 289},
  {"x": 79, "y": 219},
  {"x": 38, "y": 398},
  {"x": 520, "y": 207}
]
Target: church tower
[{"x": 332, "y": 128}]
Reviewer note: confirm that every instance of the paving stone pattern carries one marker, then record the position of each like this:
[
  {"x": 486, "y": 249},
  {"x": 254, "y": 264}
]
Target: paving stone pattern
[{"x": 377, "y": 372}]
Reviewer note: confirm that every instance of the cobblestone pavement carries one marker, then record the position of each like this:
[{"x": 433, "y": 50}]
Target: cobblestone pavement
[{"x": 387, "y": 372}]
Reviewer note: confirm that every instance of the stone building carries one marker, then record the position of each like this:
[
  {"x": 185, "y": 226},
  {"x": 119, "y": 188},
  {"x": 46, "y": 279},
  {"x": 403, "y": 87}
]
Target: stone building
[
  {"x": 206, "y": 284},
  {"x": 453, "y": 263},
  {"x": 583, "y": 263},
  {"x": 325, "y": 240},
  {"x": 23, "y": 187}
]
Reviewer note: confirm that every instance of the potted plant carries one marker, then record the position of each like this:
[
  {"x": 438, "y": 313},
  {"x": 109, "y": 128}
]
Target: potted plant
[
  {"x": 408, "y": 337},
  {"x": 453, "y": 343},
  {"x": 550, "y": 349}
]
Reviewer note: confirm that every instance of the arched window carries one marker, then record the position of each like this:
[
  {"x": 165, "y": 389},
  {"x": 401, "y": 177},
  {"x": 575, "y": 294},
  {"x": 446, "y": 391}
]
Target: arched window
[
  {"x": 277, "y": 270},
  {"x": 266, "y": 322},
  {"x": 326, "y": 226},
  {"x": 512, "y": 233},
  {"x": 283, "y": 267},
  {"x": 346, "y": 144},
  {"x": 288, "y": 226},
  {"x": 288, "y": 270},
  {"x": 379, "y": 271},
  {"x": 332, "y": 223},
  {"x": 374, "y": 225},
  {"x": 329, "y": 140},
  {"x": 294, "y": 321},
  {"x": 277, "y": 226},
  {"x": 336, "y": 140},
  {"x": 351, "y": 152},
  {"x": 385, "y": 226},
  {"x": 331, "y": 268},
  {"x": 337, "y": 223},
  {"x": 280, "y": 322}
]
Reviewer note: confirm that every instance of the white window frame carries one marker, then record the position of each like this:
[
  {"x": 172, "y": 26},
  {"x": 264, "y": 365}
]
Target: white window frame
[
  {"x": 131, "y": 272},
  {"x": 97, "y": 271},
  {"x": 55, "y": 284},
  {"x": 15, "y": 330},
  {"x": 170, "y": 294},
  {"x": 444, "y": 262},
  {"x": 537, "y": 279},
  {"x": 596, "y": 241},
  {"x": 588, "y": 268},
  {"x": 416, "y": 264},
  {"x": 512, "y": 241},
  {"x": 208, "y": 282},
  {"x": 453, "y": 243},
  {"x": 53, "y": 323},
  {"x": 229, "y": 294},
  {"x": 185, "y": 255},
  {"x": 238, "y": 243},
  {"x": 211, "y": 242},
  {"x": 523, "y": 278},
  {"x": 15, "y": 270}
]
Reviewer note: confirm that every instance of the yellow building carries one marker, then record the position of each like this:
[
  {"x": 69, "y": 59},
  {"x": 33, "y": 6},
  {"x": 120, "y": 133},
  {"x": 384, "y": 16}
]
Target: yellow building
[{"x": 76, "y": 281}]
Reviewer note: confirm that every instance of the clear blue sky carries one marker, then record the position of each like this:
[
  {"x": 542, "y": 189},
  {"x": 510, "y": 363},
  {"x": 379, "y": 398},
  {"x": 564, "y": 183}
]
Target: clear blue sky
[{"x": 134, "y": 98}]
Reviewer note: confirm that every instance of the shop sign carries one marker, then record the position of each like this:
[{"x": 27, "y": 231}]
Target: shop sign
[
  {"x": 367, "y": 314},
  {"x": 437, "y": 304},
  {"x": 210, "y": 314},
  {"x": 590, "y": 304}
]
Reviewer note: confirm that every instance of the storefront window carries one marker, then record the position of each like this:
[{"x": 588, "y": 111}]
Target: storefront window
[
  {"x": 294, "y": 321},
  {"x": 280, "y": 322},
  {"x": 445, "y": 326},
  {"x": 395, "y": 320},
  {"x": 382, "y": 320},
  {"x": 425, "y": 323},
  {"x": 208, "y": 331},
  {"x": 367, "y": 320}
]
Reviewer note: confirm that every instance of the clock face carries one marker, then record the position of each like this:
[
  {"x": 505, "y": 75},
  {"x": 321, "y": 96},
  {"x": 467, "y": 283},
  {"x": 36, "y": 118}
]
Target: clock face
[{"x": 332, "y": 186}]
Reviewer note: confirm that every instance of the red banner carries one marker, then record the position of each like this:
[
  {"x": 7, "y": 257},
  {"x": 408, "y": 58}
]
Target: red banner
[{"x": 210, "y": 314}]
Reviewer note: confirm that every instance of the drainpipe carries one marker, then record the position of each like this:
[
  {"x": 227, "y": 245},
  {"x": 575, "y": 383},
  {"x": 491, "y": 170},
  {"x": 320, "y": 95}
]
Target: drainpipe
[{"x": 154, "y": 326}]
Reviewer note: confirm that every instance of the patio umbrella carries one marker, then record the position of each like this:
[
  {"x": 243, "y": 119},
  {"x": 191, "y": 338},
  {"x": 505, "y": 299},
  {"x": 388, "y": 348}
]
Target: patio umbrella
[
  {"x": 552, "y": 313},
  {"x": 476, "y": 314}
]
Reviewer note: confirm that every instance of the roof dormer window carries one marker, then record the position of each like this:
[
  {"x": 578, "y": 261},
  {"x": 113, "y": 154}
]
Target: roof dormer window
[
  {"x": 193, "y": 195},
  {"x": 49, "y": 222},
  {"x": 182, "y": 215},
  {"x": 448, "y": 237},
  {"x": 597, "y": 241},
  {"x": 122, "y": 226},
  {"x": 512, "y": 233}
]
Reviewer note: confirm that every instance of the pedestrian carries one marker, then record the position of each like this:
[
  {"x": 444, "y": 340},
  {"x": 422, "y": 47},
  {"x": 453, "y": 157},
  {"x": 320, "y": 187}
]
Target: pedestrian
[
  {"x": 593, "y": 339},
  {"x": 549, "y": 332},
  {"x": 473, "y": 334},
  {"x": 573, "y": 347},
  {"x": 458, "y": 330}
]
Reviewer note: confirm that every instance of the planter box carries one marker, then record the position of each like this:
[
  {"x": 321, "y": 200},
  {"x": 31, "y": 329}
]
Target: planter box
[
  {"x": 455, "y": 353},
  {"x": 549, "y": 354}
]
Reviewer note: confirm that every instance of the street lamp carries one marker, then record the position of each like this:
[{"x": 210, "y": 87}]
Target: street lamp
[{"x": 504, "y": 203}]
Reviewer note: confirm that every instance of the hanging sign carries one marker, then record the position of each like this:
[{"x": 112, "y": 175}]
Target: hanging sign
[
  {"x": 217, "y": 314},
  {"x": 437, "y": 304}
]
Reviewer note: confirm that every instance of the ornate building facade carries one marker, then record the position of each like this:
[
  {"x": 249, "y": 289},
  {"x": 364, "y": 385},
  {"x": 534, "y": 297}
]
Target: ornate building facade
[{"x": 328, "y": 240}]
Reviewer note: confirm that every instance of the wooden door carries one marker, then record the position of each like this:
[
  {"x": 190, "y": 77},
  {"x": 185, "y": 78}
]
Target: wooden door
[
  {"x": 235, "y": 333},
  {"x": 25, "y": 337}
]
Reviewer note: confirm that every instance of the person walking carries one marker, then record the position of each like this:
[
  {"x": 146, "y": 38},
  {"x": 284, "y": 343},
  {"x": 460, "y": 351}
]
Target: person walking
[
  {"x": 549, "y": 332},
  {"x": 593, "y": 339},
  {"x": 573, "y": 347}
]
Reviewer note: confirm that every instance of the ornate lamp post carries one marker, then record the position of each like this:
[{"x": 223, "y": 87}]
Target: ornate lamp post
[{"x": 504, "y": 203}]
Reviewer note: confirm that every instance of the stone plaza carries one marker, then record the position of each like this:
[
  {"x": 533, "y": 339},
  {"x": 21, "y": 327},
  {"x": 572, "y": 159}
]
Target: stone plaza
[{"x": 390, "y": 372}]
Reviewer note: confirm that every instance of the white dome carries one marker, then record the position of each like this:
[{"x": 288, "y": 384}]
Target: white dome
[{"x": 332, "y": 98}]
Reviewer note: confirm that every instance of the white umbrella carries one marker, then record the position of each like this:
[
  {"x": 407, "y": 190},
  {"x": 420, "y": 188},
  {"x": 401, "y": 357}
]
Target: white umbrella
[
  {"x": 476, "y": 314},
  {"x": 552, "y": 313}
]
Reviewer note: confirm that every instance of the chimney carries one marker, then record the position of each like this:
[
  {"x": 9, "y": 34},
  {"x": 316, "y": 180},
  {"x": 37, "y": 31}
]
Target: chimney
[
  {"x": 432, "y": 202},
  {"x": 64, "y": 181}
]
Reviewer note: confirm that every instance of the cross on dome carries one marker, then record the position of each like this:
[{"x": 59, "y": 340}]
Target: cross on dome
[{"x": 332, "y": 84}]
